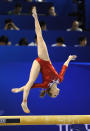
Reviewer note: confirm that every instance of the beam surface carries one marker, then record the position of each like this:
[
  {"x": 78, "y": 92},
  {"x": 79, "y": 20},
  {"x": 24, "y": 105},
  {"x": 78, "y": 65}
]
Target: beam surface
[{"x": 45, "y": 120}]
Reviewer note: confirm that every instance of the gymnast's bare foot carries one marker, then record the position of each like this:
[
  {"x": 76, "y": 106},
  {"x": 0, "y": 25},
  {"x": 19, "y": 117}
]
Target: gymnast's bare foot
[
  {"x": 25, "y": 107},
  {"x": 17, "y": 90}
]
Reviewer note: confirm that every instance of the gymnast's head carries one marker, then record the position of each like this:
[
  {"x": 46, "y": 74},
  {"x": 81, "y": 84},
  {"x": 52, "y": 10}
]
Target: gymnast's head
[{"x": 52, "y": 91}]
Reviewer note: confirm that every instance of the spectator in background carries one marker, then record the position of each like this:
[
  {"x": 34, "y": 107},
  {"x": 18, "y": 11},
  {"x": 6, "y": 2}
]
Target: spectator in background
[
  {"x": 17, "y": 10},
  {"x": 59, "y": 42},
  {"x": 9, "y": 25},
  {"x": 75, "y": 27},
  {"x": 22, "y": 42},
  {"x": 80, "y": 12},
  {"x": 82, "y": 42},
  {"x": 4, "y": 40},
  {"x": 51, "y": 11},
  {"x": 43, "y": 26},
  {"x": 34, "y": 43}
]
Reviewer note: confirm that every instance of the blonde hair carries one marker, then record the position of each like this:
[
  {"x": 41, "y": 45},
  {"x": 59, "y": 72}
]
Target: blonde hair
[{"x": 44, "y": 92}]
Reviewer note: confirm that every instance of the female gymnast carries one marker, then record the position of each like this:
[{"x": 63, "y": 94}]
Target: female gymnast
[{"x": 42, "y": 64}]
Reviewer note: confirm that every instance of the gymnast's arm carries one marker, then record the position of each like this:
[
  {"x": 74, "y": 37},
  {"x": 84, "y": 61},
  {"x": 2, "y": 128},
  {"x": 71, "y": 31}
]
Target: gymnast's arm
[
  {"x": 62, "y": 72},
  {"x": 65, "y": 66}
]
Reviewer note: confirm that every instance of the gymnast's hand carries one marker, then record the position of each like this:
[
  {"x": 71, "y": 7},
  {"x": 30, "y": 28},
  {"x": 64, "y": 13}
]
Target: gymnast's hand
[
  {"x": 34, "y": 12},
  {"x": 72, "y": 57}
]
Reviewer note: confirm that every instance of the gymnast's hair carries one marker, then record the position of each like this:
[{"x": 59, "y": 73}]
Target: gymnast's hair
[{"x": 44, "y": 92}]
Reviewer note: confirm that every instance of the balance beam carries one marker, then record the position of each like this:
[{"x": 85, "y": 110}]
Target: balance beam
[{"x": 44, "y": 120}]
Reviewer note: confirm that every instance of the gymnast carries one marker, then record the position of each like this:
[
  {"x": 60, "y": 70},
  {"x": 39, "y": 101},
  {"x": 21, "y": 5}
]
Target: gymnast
[{"x": 42, "y": 64}]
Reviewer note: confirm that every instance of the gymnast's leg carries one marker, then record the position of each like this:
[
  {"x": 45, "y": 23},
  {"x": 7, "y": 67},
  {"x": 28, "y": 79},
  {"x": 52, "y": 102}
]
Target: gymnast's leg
[
  {"x": 42, "y": 48},
  {"x": 33, "y": 76}
]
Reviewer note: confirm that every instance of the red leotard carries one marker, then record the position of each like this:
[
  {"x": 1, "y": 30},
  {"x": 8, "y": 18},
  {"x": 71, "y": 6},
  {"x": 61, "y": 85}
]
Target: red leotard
[{"x": 49, "y": 74}]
